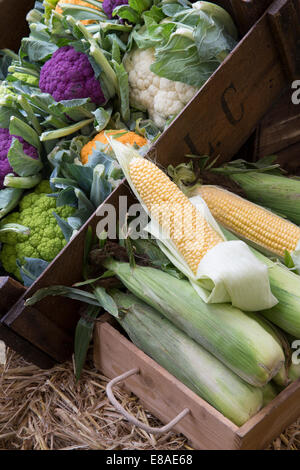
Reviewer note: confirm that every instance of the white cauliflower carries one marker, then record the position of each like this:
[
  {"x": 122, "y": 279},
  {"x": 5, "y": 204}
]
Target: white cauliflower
[{"x": 161, "y": 97}]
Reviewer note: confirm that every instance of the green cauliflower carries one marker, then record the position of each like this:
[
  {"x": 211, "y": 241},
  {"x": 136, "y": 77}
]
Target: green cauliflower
[{"x": 45, "y": 240}]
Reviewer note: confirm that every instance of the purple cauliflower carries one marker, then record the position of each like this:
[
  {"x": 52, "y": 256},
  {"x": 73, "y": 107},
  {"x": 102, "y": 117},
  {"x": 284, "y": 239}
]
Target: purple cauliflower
[
  {"x": 5, "y": 143},
  {"x": 69, "y": 75},
  {"x": 109, "y": 6}
]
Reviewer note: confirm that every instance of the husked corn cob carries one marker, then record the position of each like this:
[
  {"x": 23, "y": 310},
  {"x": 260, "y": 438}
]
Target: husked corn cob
[
  {"x": 187, "y": 228},
  {"x": 251, "y": 221}
]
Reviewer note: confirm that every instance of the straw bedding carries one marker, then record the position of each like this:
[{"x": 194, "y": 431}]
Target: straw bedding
[{"x": 47, "y": 410}]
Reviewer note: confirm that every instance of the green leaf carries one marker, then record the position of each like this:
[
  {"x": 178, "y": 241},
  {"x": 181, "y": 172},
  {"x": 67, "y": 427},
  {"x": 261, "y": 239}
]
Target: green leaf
[
  {"x": 67, "y": 231},
  {"x": 140, "y": 5},
  {"x": 106, "y": 301},
  {"x": 95, "y": 279},
  {"x": 22, "y": 182},
  {"x": 178, "y": 60},
  {"x": 170, "y": 9},
  {"x": 102, "y": 118},
  {"x": 115, "y": 53},
  {"x": 21, "y": 163},
  {"x": 88, "y": 242},
  {"x": 123, "y": 83},
  {"x": 37, "y": 50},
  {"x": 83, "y": 336},
  {"x": 65, "y": 131},
  {"x": 79, "y": 12},
  {"x": 31, "y": 269},
  {"x": 9, "y": 199},
  {"x": 83, "y": 175},
  {"x": 77, "y": 109},
  {"x": 21, "y": 129},
  {"x": 127, "y": 13},
  {"x": 15, "y": 228},
  {"x": 5, "y": 116},
  {"x": 64, "y": 291},
  {"x": 211, "y": 42}
]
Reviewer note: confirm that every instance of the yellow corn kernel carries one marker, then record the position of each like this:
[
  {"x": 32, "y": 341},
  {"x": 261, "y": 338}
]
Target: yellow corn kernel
[
  {"x": 58, "y": 8},
  {"x": 251, "y": 221},
  {"x": 187, "y": 228}
]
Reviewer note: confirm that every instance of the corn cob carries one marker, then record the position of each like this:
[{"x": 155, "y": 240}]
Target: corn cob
[
  {"x": 167, "y": 204},
  {"x": 188, "y": 361},
  {"x": 189, "y": 236},
  {"x": 229, "y": 334},
  {"x": 251, "y": 222}
]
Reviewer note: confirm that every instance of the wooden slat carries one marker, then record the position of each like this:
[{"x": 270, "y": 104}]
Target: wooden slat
[
  {"x": 227, "y": 108},
  {"x": 272, "y": 420},
  {"x": 160, "y": 392}
]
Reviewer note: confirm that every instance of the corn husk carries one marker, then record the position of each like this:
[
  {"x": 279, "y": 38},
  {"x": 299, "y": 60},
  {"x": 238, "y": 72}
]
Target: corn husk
[
  {"x": 188, "y": 361},
  {"x": 269, "y": 393},
  {"x": 294, "y": 372},
  {"x": 278, "y": 193},
  {"x": 225, "y": 272},
  {"x": 286, "y": 287},
  {"x": 281, "y": 378},
  {"x": 229, "y": 334}
]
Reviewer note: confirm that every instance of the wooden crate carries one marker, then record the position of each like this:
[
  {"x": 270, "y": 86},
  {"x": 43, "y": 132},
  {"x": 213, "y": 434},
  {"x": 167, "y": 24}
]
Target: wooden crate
[
  {"x": 164, "y": 396},
  {"x": 218, "y": 120}
]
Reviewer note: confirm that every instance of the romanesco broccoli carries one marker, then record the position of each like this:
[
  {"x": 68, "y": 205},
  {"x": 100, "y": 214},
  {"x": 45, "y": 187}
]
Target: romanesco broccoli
[{"x": 45, "y": 240}]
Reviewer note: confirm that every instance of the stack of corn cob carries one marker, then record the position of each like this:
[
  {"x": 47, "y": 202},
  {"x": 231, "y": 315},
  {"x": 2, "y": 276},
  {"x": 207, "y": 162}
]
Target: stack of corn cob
[{"x": 214, "y": 348}]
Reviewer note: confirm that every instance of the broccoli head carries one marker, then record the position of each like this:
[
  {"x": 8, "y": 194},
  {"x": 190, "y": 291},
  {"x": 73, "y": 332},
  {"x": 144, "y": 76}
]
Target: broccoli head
[
  {"x": 5, "y": 143},
  {"x": 69, "y": 75},
  {"x": 45, "y": 240}
]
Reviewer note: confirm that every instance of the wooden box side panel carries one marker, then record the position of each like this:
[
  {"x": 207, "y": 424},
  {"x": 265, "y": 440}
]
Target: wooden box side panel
[{"x": 161, "y": 393}]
